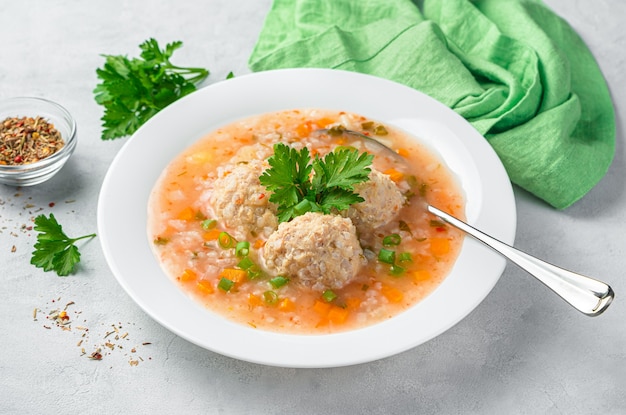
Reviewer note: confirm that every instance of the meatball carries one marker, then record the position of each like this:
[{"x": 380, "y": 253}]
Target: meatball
[
  {"x": 321, "y": 251},
  {"x": 241, "y": 202},
  {"x": 383, "y": 201}
]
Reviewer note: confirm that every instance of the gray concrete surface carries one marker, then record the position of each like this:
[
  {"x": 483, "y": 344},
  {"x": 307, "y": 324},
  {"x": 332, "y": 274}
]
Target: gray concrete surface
[{"x": 522, "y": 351}]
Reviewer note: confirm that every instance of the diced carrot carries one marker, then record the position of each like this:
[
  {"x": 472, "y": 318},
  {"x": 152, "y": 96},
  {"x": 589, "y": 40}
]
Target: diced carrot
[
  {"x": 205, "y": 287},
  {"x": 338, "y": 315},
  {"x": 304, "y": 129},
  {"x": 421, "y": 275},
  {"x": 211, "y": 235},
  {"x": 439, "y": 246},
  {"x": 392, "y": 294},
  {"x": 321, "y": 307},
  {"x": 286, "y": 305},
  {"x": 259, "y": 243},
  {"x": 322, "y": 322},
  {"x": 324, "y": 122},
  {"x": 244, "y": 139},
  {"x": 235, "y": 275},
  {"x": 394, "y": 174},
  {"x": 187, "y": 214},
  {"x": 403, "y": 152},
  {"x": 188, "y": 275},
  {"x": 254, "y": 300},
  {"x": 353, "y": 303}
]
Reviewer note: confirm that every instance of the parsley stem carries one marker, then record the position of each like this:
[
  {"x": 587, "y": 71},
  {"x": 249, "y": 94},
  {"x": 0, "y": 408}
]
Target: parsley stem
[{"x": 93, "y": 235}]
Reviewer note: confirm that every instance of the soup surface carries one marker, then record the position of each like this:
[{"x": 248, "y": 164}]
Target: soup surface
[{"x": 222, "y": 235}]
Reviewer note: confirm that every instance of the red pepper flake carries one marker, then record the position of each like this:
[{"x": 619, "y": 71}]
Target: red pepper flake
[{"x": 51, "y": 204}]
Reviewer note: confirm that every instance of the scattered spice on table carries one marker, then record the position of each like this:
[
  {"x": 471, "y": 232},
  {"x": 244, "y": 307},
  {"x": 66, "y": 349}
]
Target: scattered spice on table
[
  {"x": 26, "y": 140},
  {"x": 112, "y": 341}
]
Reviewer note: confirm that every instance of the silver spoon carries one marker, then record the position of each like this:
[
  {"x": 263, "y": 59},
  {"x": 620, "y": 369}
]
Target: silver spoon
[{"x": 585, "y": 294}]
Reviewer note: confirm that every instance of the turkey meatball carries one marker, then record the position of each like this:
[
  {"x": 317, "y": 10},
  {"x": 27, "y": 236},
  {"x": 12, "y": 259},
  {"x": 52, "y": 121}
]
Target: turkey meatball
[
  {"x": 383, "y": 201},
  {"x": 241, "y": 202},
  {"x": 320, "y": 251}
]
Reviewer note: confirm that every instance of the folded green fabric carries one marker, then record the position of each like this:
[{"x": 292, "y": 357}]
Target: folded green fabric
[{"x": 514, "y": 69}]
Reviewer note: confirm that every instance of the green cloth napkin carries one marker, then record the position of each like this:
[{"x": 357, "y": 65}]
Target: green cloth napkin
[{"x": 514, "y": 69}]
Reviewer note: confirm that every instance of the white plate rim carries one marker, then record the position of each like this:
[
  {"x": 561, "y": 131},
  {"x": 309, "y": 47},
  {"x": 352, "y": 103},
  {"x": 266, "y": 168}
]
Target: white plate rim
[{"x": 122, "y": 208}]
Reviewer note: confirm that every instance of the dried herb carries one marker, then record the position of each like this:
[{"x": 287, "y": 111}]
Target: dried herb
[{"x": 26, "y": 140}]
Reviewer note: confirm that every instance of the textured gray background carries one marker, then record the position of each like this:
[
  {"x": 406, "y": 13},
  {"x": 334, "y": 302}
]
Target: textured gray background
[{"x": 522, "y": 351}]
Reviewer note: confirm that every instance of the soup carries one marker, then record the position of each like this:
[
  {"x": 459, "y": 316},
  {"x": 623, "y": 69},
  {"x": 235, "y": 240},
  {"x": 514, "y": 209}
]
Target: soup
[{"x": 230, "y": 243}]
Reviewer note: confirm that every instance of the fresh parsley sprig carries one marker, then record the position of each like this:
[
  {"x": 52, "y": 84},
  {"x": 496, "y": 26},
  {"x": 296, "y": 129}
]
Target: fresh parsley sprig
[
  {"x": 299, "y": 184},
  {"x": 134, "y": 90},
  {"x": 54, "y": 250}
]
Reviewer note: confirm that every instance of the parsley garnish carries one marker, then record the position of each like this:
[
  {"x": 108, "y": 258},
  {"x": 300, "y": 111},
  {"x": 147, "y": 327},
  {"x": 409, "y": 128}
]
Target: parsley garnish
[
  {"x": 300, "y": 185},
  {"x": 133, "y": 90},
  {"x": 54, "y": 250}
]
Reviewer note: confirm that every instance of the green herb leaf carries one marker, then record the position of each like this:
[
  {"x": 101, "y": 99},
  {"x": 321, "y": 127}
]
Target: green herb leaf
[
  {"x": 133, "y": 90},
  {"x": 54, "y": 250},
  {"x": 342, "y": 168},
  {"x": 331, "y": 186}
]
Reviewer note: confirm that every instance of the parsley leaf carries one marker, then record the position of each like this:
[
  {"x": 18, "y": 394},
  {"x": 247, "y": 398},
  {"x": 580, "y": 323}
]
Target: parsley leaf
[
  {"x": 54, "y": 250},
  {"x": 133, "y": 90},
  {"x": 300, "y": 185}
]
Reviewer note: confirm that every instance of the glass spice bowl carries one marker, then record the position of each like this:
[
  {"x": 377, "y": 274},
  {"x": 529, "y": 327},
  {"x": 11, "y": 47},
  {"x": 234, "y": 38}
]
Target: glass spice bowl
[{"x": 43, "y": 169}]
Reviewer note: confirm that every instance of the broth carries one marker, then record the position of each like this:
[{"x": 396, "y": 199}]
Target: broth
[{"x": 185, "y": 229}]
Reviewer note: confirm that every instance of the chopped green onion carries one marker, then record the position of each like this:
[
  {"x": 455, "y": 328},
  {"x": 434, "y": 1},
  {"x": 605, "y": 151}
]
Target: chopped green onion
[
  {"x": 336, "y": 130},
  {"x": 405, "y": 257},
  {"x": 246, "y": 263},
  {"x": 225, "y": 240},
  {"x": 270, "y": 297},
  {"x": 396, "y": 270},
  {"x": 380, "y": 130},
  {"x": 392, "y": 240},
  {"x": 279, "y": 281},
  {"x": 387, "y": 256},
  {"x": 200, "y": 216},
  {"x": 209, "y": 224},
  {"x": 254, "y": 272},
  {"x": 161, "y": 240},
  {"x": 339, "y": 148},
  {"x": 367, "y": 125},
  {"x": 242, "y": 249},
  {"x": 328, "y": 296},
  {"x": 225, "y": 284}
]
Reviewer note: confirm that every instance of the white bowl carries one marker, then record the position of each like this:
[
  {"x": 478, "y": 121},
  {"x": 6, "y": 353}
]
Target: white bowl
[{"x": 122, "y": 213}]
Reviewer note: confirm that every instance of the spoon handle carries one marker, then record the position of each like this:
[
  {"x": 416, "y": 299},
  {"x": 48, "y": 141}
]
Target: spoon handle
[{"x": 585, "y": 294}]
